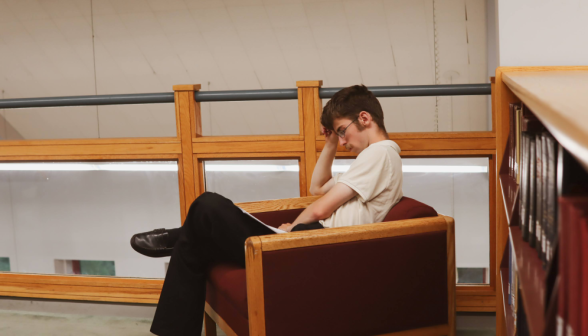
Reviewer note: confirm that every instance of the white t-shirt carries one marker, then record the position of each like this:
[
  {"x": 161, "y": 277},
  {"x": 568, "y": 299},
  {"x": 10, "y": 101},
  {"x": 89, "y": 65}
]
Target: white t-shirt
[{"x": 376, "y": 176}]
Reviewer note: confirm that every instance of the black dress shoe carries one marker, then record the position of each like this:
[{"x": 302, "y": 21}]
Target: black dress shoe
[{"x": 153, "y": 244}]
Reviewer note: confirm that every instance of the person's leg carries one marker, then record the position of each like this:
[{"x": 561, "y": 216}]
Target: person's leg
[{"x": 215, "y": 230}]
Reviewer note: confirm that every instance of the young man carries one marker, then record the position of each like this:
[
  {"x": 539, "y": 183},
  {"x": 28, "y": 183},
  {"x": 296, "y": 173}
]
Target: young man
[{"x": 215, "y": 229}]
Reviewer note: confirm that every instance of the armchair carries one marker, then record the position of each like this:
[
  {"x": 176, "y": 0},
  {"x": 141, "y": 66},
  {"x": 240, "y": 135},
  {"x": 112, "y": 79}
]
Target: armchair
[{"x": 395, "y": 277}]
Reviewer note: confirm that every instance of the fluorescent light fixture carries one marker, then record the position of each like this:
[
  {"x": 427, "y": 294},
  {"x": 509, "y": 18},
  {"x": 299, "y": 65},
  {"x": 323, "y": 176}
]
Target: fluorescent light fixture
[
  {"x": 166, "y": 166},
  {"x": 251, "y": 168},
  {"x": 427, "y": 169},
  {"x": 87, "y": 166},
  {"x": 444, "y": 169}
]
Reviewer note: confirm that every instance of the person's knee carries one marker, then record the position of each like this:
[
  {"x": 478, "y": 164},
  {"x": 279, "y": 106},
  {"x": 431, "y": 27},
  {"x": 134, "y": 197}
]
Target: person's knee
[{"x": 209, "y": 200}]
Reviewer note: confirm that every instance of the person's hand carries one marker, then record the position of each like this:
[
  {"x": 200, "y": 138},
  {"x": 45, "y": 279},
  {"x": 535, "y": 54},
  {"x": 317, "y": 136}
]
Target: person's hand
[
  {"x": 287, "y": 227},
  {"x": 330, "y": 136}
]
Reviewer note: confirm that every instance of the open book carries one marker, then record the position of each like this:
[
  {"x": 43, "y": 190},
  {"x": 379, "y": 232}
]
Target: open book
[{"x": 270, "y": 227}]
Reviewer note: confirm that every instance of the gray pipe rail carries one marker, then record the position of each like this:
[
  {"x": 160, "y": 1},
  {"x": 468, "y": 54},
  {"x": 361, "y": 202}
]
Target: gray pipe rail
[{"x": 242, "y": 95}]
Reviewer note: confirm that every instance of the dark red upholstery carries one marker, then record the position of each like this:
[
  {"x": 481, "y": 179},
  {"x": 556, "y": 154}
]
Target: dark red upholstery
[
  {"x": 226, "y": 290},
  {"x": 368, "y": 287},
  {"x": 408, "y": 208},
  {"x": 226, "y": 293}
]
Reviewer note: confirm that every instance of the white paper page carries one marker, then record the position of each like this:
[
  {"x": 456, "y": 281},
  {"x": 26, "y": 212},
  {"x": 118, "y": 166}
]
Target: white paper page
[{"x": 270, "y": 227}]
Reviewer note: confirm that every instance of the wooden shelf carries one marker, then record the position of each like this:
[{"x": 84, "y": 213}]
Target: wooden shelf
[
  {"x": 558, "y": 98},
  {"x": 508, "y": 312},
  {"x": 531, "y": 281},
  {"x": 510, "y": 192}
]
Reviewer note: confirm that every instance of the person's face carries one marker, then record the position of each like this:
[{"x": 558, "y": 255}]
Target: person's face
[{"x": 349, "y": 134}]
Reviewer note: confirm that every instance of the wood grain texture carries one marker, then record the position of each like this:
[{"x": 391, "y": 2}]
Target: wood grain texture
[
  {"x": 199, "y": 176},
  {"x": 318, "y": 111},
  {"x": 558, "y": 98},
  {"x": 216, "y": 318},
  {"x": 492, "y": 183},
  {"x": 85, "y": 288},
  {"x": 255, "y": 293},
  {"x": 276, "y": 205},
  {"x": 503, "y": 98},
  {"x": 309, "y": 83},
  {"x": 476, "y": 301},
  {"x": 441, "y": 135},
  {"x": 474, "y": 290},
  {"x": 432, "y": 144},
  {"x": 439, "y": 330},
  {"x": 249, "y": 147},
  {"x": 196, "y": 116},
  {"x": 78, "y": 142},
  {"x": 105, "y": 149},
  {"x": 249, "y": 156},
  {"x": 430, "y": 154},
  {"x": 451, "y": 270},
  {"x": 477, "y": 309},
  {"x": 248, "y": 138},
  {"x": 352, "y": 233},
  {"x": 300, "y": 114},
  {"x": 183, "y": 207},
  {"x": 183, "y": 101},
  {"x": 187, "y": 87},
  {"x": 303, "y": 181},
  {"x": 209, "y": 323},
  {"x": 96, "y": 157},
  {"x": 308, "y": 107}
]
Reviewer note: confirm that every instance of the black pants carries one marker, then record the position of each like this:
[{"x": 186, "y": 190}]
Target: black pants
[{"x": 215, "y": 230}]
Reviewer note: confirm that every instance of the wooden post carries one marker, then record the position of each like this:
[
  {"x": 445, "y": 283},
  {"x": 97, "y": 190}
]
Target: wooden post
[
  {"x": 309, "y": 105},
  {"x": 189, "y": 126}
]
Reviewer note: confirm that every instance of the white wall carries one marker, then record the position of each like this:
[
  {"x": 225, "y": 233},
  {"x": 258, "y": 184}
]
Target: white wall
[
  {"x": 544, "y": 32},
  {"x": 148, "y": 46}
]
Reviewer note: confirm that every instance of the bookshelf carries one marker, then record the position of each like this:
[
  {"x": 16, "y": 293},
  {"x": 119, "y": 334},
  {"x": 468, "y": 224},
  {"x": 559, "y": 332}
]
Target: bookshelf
[{"x": 558, "y": 98}]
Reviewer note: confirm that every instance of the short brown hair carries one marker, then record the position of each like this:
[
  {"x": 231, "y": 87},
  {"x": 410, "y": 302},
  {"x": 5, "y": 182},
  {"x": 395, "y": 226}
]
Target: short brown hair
[{"x": 349, "y": 102}]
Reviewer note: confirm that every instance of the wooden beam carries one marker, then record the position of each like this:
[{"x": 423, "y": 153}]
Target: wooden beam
[
  {"x": 451, "y": 270},
  {"x": 254, "y": 275},
  {"x": 352, "y": 233},
  {"x": 433, "y": 144},
  {"x": 188, "y": 112},
  {"x": 94, "y": 149},
  {"x": 309, "y": 104},
  {"x": 249, "y": 147}
]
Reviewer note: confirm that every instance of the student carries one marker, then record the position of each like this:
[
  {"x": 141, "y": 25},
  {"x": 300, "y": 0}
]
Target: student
[{"x": 215, "y": 229}]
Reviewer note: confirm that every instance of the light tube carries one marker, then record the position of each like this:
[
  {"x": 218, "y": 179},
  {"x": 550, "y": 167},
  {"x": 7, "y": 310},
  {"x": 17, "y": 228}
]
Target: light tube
[{"x": 86, "y": 166}]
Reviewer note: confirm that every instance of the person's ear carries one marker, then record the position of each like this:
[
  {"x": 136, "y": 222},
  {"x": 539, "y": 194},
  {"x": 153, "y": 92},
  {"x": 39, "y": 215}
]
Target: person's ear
[{"x": 365, "y": 118}]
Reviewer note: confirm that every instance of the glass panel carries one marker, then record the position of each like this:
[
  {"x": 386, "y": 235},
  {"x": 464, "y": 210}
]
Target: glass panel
[
  {"x": 88, "y": 122},
  {"x": 4, "y": 264},
  {"x": 436, "y": 114},
  {"x": 472, "y": 275},
  {"x": 85, "y": 212},
  {"x": 253, "y": 180},
  {"x": 456, "y": 187},
  {"x": 250, "y": 118}
]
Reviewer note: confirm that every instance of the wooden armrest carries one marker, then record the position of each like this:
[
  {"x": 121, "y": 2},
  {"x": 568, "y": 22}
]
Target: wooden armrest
[
  {"x": 349, "y": 233},
  {"x": 279, "y": 204}
]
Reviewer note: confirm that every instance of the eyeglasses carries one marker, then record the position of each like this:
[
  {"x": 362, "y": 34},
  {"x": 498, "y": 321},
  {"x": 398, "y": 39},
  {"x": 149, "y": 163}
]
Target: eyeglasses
[{"x": 341, "y": 133}]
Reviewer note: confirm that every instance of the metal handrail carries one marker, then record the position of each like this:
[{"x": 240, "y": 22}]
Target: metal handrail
[{"x": 242, "y": 95}]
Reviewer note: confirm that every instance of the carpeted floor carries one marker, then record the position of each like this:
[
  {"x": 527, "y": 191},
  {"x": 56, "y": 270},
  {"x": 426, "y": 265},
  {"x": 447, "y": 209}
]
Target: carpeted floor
[{"x": 14, "y": 323}]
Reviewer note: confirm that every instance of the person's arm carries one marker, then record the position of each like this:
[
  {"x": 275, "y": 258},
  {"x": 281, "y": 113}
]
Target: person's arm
[
  {"x": 322, "y": 179},
  {"x": 323, "y": 207}
]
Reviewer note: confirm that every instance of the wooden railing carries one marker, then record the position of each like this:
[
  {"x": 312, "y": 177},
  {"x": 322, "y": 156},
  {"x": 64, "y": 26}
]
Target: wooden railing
[{"x": 190, "y": 148}]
